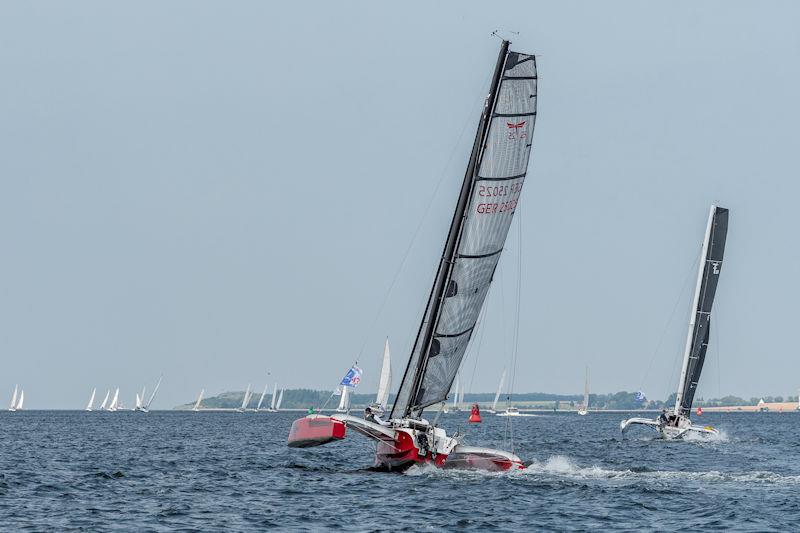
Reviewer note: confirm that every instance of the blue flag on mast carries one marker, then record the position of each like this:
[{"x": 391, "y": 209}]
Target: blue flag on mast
[{"x": 352, "y": 378}]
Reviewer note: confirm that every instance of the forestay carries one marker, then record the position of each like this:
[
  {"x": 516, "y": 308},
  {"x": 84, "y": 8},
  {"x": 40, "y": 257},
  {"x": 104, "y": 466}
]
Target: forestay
[
  {"x": 700, "y": 323},
  {"x": 487, "y": 203}
]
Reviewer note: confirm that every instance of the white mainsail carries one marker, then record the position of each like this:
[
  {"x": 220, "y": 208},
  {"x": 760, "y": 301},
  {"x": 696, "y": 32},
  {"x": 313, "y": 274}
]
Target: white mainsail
[
  {"x": 261, "y": 400},
  {"x": 586, "y": 391},
  {"x": 280, "y": 399},
  {"x": 455, "y": 394},
  {"x": 499, "y": 390},
  {"x": 21, "y": 399},
  {"x": 246, "y": 398},
  {"x": 274, "y": 397},
  {"x": 138, "y": 403},
  {"x": 461, "y": 395},
  {"x": 385, "y": 382},
  {"x": 91, "y": 400},
  {"x": 153, "y": 395},
  {"x": 344, "y": 402},
  {"x": 13, "y": 405},
  {"x": 114, "y": 401},
  {"x": 105, "y": 400},
  {"x": 585, "y": 407},
  {"x": 199, "y": 399}
]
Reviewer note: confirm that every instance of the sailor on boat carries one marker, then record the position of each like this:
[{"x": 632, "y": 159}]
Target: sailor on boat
[{"x": 372, "y": 416}]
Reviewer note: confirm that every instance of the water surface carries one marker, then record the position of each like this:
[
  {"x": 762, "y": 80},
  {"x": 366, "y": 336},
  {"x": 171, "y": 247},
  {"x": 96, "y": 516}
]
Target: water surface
[{"x": 165, "y": 471}]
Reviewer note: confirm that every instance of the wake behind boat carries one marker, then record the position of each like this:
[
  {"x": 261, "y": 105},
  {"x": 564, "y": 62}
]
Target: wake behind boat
[
  {"x": 486, "y": 204},
  {"x": 677, "y": 424}
]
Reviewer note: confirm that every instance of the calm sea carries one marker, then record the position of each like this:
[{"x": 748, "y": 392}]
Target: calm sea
[{"x": 184, "y": 471}]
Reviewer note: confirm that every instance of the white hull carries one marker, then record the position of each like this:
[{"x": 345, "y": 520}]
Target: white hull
[
  {"x": 583, "y": 412},
  {"x": 684, "y": 428},
  {"x": 515, "y": 413}
]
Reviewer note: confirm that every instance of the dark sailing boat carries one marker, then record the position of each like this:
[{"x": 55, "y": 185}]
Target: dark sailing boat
[
  {"x": 486, "y": 205},
  {"x": 677, "y": 423}
]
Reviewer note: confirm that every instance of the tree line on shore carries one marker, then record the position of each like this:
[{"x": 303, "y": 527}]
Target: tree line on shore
[{"x": 623, "y": 400}]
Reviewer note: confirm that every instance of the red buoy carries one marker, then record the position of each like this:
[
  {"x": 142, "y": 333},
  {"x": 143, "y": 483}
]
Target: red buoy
[
  {"x": 475, "y": 416},
  {"x": 699, "y": 411}
]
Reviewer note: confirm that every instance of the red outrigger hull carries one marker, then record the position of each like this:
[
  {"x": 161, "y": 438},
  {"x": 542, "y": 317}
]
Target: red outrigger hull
[{"x": 315, "y": 431}]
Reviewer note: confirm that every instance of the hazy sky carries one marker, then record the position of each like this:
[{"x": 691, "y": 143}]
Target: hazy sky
[{"x": 217, "y": 190}]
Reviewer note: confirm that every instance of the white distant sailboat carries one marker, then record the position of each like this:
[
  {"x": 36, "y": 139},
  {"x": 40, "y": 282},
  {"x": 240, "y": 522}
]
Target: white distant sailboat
[
  {"x": 280, "y": 400},
  {"x": 513, "y": 411},
  {"x": 454, "y": 406},
  {"x": 261, "y": 400},
  {"x": 21, "y": 399},
  {"x": 199, "y": 399},
  {"x": 384, "y": 383},
  {"x": 91, "y": 400},
  {"x": 114, "y": 401},
  {"x": 138, "y": 403},
  {"x": 245, "y": 400},
  {"x": 105, "y": 400},
  {"x": 585, "y": 407},
  {"x": 146, "y": 407},
  {"x": 274, "y": 398},
  {"x": 344, "y": 400},
  {"x": 499, "y": 390},
  {"x": 13, "y": 405}
]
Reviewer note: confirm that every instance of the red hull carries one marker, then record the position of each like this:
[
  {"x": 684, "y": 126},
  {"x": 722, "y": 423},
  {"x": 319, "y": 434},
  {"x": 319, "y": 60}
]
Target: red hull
[
  {"x": 402, "y": 453},
  {"x": 482, "y": 462},
  {"x": 315, "y": 431},
  {"x": 400, "y": 448}
]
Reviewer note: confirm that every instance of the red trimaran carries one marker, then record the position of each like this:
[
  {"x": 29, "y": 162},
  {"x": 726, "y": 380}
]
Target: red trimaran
[{"x": 486, "y": 204}]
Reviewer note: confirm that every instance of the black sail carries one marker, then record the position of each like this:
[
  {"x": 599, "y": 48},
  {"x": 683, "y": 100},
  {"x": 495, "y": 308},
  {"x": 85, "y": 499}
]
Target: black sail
[
  {"x": 486, "y": 205},
  {"x": 699, "y": 334}
]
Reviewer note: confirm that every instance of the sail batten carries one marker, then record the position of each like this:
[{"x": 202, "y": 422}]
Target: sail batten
[
  {"x": 484, "y": 211},
  {"x": 700, "y": 321}
]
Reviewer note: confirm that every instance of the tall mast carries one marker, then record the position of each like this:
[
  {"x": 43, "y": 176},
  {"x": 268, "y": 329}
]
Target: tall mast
[
  {"x": 451, "y": 244},
  {"x": 690, "y": 335}
]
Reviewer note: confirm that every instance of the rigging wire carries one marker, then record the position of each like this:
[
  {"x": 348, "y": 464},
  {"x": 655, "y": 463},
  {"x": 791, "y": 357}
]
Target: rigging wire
[
  {"x": 681, "y": 294},
  {"x": 716, "y": 345},
  {"x": 515, "y": 347},
  {"x": 481, "y": 320},
  {"x": 509, "y": 426},
  {"x": 424, "y": 217}
]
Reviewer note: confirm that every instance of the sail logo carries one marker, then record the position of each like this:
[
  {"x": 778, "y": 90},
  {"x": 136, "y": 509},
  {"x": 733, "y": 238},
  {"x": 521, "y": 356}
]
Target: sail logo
[
  {"x": 715, "y": 267},
  {"x": 515, "y": 130}
]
